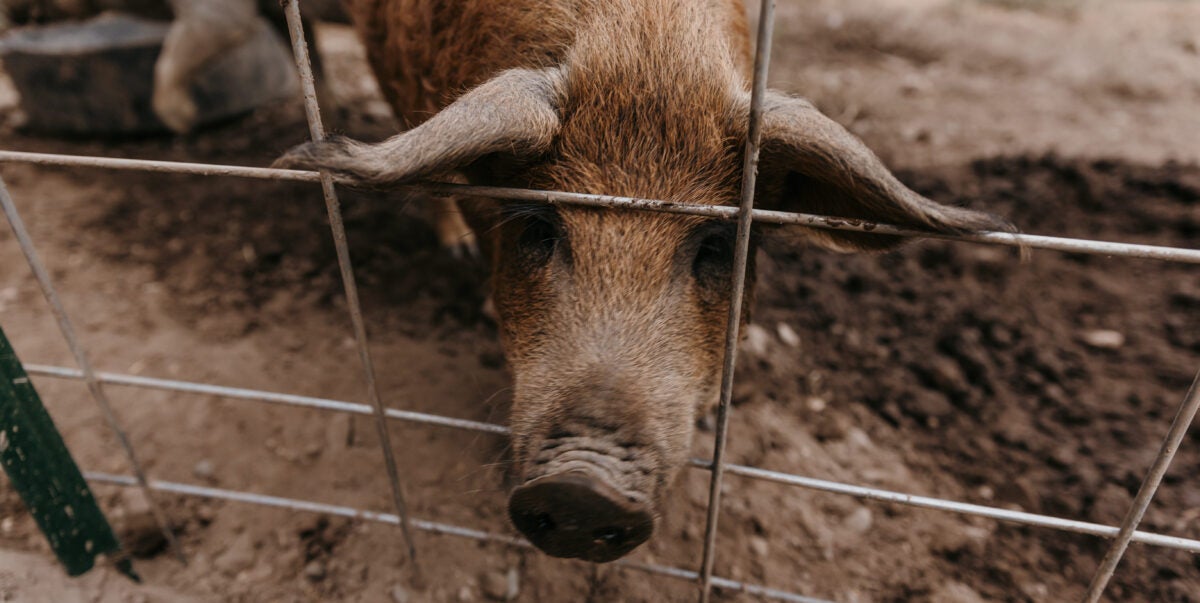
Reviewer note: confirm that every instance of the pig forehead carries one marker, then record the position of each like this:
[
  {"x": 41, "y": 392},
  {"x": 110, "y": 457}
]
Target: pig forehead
[{"x": 663, "y": 231}]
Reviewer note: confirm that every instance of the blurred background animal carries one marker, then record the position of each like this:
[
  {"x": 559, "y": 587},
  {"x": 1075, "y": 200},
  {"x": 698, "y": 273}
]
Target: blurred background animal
[{"x": 200, "y": 32}]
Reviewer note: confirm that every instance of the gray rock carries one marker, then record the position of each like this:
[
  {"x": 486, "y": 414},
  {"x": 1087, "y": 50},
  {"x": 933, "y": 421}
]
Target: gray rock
[{"x": 97, "y": 76}]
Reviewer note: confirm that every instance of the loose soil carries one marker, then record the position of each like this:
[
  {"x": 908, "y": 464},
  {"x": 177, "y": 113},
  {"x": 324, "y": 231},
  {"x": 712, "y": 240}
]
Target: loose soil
[{"x": 944, "y": 369}]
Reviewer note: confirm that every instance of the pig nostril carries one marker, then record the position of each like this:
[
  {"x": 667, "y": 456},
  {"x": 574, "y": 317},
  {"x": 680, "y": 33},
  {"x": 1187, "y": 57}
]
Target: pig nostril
[
  {"x": 611, "y": 536},
  {"x": 545, "y": 523}
]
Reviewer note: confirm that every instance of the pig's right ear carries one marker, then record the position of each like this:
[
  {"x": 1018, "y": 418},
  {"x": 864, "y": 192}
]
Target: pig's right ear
[
  {"x": 515, "y": 112},
  {"x": 811, "y": 164}
]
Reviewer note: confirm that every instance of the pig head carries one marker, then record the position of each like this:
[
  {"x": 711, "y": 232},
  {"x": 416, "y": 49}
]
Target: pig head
[{"x": 613, "y": 321}]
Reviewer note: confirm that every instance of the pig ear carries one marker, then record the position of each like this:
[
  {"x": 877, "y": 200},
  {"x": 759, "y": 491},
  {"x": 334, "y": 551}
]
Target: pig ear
[
  {"x": 810, "y": 164},
  {"x": 514, "y": 112}
]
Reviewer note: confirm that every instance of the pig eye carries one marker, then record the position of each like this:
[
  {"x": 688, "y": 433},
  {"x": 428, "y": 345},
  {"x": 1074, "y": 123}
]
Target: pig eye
[
  {"x": 540, "y": 236},
  {"x": 714, "y": 260}
]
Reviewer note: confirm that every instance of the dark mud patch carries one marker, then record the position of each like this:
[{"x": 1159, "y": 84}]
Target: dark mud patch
[{"x": 1007, "y": 377}]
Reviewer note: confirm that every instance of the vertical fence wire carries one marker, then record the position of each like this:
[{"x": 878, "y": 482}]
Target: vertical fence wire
[
  {"x": 333, "y": 207},
  {"x": 745, "y": 215},
  {"x": 741, "y": 260},
  {"x": 1179, "y": 427},
  {"x": 85, "y": 365}
]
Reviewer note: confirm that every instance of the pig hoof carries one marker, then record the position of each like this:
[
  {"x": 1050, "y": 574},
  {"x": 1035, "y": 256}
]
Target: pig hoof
[
  {"x": 176, "y": 109},
  {"x": 455, "y": 236},
  {"x": 463, "y": 249},
  {"x": 574, "y": 515},
  {"x": 489, "y": 309}
]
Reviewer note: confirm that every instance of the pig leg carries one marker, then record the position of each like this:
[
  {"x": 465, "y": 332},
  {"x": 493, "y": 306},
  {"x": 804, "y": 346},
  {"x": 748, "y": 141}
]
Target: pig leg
[
  {"x": 452, "y": 230},
  {"x": 200, "y": 32}
]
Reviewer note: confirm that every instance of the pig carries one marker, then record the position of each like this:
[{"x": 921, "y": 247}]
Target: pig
[
  {"x": 201, "y": 31},
  {"x": 612, "y": 321}
]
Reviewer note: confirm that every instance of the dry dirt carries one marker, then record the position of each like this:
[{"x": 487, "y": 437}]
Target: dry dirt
[{"x": 945, "y": 369}]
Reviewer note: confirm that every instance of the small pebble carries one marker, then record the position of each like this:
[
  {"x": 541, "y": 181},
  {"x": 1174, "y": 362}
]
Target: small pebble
[
  {"x": 859, "y": 439},
  {"x": 495, "y": 586},
  {"x": 261, "y": 573},
  {"x": 514, "y": 584},
  {"x": 238, "y": 557},
  {"x": 315, "y": 571},
  {"x": 204, "y": 469},
  {"x": 759, "y": 546},
  {"x": 1104, "y": 339},
  {"x": 787, "y": 335},
  {"x": 398, "y": 594},
  {"x": 465, "y": 594},
  {"x": 955, "y": 592},
  {"x": 859, "y": 521},
  {"x": 757, "y": 340},
  {"x": 205, "y": 514}
]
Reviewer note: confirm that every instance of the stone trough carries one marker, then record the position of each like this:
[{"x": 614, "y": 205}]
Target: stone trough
[{"x": 96, "y": 77}]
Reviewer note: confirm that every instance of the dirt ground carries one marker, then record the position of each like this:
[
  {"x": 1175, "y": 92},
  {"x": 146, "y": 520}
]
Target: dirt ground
[{"x": 945, "y": 369}]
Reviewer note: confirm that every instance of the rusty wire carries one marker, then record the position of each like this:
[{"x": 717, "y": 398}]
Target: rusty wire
[
  {"x": 333, "y": 208},
  {"x": 741, "y": 264},
  {"x": 1181, "y": 255},
  {"x": 435, "y": 528},
  {"x": 753, "y": 473}
]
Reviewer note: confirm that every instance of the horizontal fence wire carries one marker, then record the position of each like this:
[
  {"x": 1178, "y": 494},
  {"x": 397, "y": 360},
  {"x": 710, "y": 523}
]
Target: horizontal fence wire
[
  {"x": 67, "y": 329},
  {"x": 754, "y": 473},
  {"x": 1064, "y": 244},
  {"x": 429, "y": 526},
  {"x": 744, "y": 215},
  {"x": 265, "y": 396},
  {"x": 1070, "y": 245}
]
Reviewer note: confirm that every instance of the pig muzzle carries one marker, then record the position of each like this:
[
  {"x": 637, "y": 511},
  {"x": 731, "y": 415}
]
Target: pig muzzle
[{"x": 575, "y": 514}]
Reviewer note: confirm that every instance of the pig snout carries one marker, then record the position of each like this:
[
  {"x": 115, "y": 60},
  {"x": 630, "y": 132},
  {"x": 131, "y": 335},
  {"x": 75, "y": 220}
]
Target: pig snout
[
  {"x": 589, "y": 488},
  {"x": 578, "y": 514}
]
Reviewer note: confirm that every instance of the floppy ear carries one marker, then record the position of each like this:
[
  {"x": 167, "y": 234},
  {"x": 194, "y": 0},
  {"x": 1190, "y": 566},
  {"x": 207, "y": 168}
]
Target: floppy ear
[
  {"x": 810, "y": 164},
  {"x": 514, "y": 112}
]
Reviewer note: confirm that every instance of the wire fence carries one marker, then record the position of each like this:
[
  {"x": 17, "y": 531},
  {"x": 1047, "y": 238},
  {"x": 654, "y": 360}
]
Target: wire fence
[{"x": 745, "y": 215}]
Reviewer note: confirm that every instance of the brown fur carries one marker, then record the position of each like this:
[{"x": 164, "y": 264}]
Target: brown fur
[{"x": 612, "y": 321}]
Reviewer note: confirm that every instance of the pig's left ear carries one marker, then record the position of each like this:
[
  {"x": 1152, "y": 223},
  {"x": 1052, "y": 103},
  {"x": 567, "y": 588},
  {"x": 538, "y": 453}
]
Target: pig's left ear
[{"x": 810, "y": 164}]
